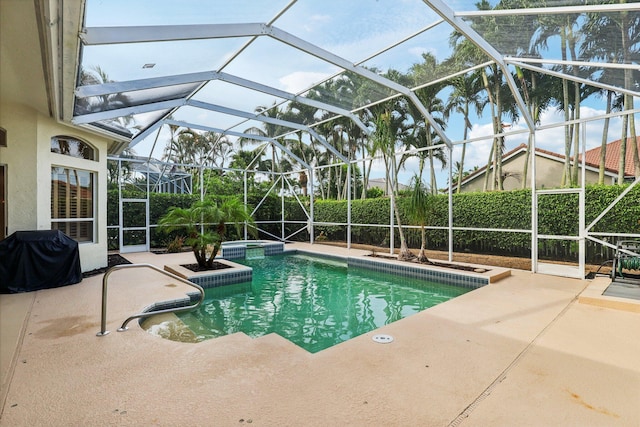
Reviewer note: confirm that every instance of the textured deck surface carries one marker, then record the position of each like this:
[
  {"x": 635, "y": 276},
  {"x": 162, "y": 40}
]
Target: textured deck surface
[{"x": 522, "y": 351}]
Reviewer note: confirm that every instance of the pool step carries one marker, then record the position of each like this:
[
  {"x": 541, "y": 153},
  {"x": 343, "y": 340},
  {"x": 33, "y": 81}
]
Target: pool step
[{"x": 193, "y": 323}]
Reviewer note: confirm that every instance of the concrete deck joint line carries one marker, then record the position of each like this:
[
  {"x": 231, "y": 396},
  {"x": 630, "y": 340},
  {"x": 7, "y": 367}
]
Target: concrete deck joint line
[
  {"x": 503, "y": 375},
  {"x": 582, "y": 370},
  {"x": 4, "y": 393}
]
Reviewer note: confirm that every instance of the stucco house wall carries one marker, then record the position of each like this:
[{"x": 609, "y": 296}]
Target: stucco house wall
[
  {"x": 28, "y": 160},
  {"x": 29, "y": 111},
  {"x": 549, "y": 170}
]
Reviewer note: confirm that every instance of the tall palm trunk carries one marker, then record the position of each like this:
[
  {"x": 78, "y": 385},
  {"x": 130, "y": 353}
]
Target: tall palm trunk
[
  {"x": 499, "y": 142},
  {"x": 422, "y": 256},
  {"x": 365, "y": 175},
  {"x": 405, "y": 253},
  {"x": 603, "y": 142},
  {"x": 329, "y": 177},
  {"x": 464, "y": 146},
  {"x": 485, "y": 80},
  {"x": 628, "y": 101},
  {"x": 434, "y": 184},
  {"x": 634, "y": 146},
  {"x": 623, "y": 146},
  {"x": 576, "y": 109},
  {"x": 385, "y": 142},
  {"x": 485, "y": 186},
  {"x": 576, "y": 139},
  {"x": 531, "y": 104},
  {"x": 566, "y": 173}
]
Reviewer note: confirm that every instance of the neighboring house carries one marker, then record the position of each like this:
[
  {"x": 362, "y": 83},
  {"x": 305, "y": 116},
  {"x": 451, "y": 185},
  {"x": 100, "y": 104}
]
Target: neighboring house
[
  {"x": 549, "y": 168},
  {"x": 612, "y": 158},
  {"x": 381, "y": 183}
]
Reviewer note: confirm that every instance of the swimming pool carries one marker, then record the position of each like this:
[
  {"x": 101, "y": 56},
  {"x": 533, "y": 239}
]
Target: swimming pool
[{"x": 313, "y": 302}]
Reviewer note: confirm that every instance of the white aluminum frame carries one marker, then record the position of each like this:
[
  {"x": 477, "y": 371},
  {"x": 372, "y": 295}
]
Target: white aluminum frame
[{"x": 116, "y": 35}]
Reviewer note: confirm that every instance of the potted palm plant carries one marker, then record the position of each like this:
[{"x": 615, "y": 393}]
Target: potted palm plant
[{"x": 205, "y": 223}]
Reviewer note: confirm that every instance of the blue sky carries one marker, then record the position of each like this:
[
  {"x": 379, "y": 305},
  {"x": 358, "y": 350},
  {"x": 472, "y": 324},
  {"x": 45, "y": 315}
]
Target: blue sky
[{"x": 353, "y": 30}]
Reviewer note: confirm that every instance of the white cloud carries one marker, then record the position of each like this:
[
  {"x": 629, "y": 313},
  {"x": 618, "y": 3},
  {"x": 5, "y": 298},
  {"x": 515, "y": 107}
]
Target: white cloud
[
  {"x": 312, "y": 22},
  {"x": 417, "y": 51},
  {"x": 300, "y": 80}
]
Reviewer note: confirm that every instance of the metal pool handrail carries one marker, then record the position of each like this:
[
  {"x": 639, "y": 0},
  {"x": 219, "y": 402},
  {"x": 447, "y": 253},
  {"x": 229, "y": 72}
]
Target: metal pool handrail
[{"x": 103, "y": 324}]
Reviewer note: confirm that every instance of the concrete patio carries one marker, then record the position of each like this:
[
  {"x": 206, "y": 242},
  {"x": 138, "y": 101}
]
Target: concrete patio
[{"x": 522, "y": 351}]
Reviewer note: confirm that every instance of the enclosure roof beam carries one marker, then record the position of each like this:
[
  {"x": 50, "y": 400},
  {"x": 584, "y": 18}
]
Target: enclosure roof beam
[
  {"x": 121, "y": 112},
  {"x": 93, "y": 36},
  {"x": 291, "y": 97},
  {"x": 205, "y": 76},
  {"x": 240, "y": 135},
  {"x": 585, "y": 64},
  {"x": 264, "y": 119},
  {"x": 141, "y": 34},
  {"x": 464, "y": 28},
  {"x": 574, "y": 78},
  {"x": 556, "y": 10},
  {"x": 141, "y": 84},
  {"x": 244, "y": 114},
  {"x": 327, "y": 56}
]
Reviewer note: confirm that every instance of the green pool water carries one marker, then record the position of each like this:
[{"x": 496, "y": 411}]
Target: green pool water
[{"x": 313, "y": 302}]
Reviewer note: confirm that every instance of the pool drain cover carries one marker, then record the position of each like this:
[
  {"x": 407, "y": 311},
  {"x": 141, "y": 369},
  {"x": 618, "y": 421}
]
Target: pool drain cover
[{"x": 382, "y": 339}]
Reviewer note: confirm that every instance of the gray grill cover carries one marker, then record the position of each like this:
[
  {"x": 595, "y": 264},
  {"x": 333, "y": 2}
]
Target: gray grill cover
[{"x": 33, "y": 260}]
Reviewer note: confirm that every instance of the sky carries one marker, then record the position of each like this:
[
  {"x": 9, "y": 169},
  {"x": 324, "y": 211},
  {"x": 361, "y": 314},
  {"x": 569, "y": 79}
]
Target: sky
[{"x": 354, "y": 30}]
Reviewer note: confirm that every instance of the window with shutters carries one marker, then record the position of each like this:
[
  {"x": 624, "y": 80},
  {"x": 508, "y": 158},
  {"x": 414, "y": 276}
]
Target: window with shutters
[{"x": 72, "y": 202}]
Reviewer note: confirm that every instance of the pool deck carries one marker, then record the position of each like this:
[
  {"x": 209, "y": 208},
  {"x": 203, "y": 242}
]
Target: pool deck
[{"x": 523, "y": 351}]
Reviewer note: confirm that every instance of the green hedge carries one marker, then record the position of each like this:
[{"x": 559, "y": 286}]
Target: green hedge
[
  {"x": 159, "y": 203},
  {"x": 557, "y": 215}
]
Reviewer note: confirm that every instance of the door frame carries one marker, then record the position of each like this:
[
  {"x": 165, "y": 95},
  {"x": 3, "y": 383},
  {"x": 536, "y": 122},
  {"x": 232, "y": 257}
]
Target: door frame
[
  {"x": 3, "y": 202},
  {"x": 558, "y": 269},
  {"x": 123, "y": 229}
]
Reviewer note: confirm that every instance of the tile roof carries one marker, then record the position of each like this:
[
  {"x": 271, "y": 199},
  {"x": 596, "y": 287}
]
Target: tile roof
[
  {"x": 592, "y": 157},
  {"x": 612, "y": 156}
]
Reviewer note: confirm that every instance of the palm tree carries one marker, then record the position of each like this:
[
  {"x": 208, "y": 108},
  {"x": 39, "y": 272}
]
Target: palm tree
[
  {"x": 420, "y": 211},
  {"x": 423, "y": 135},
  {"x": 268, "y": 130},
  {"x": 385, "y": 141},
  {"x": 303, "y": 114},
  {"x": 466, "y": 93},
  {"x": 565, "y": 26},
  {"x": 198, "y": 149},
  {"x": 467, "y": 53},
  {"x": 600, "y": 45},
  {"x": 352, "y": 91},
  {"x": 180, "y": 147},
  {"x": 205, "y": 223},
  {"x": 212, "y": 149},
  {"x": 96, "y": 76},
  {"x": 113, "y": 175}
]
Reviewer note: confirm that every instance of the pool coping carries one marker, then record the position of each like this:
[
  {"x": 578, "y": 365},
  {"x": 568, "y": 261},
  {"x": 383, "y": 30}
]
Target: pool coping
[
  {"x": 506, "y": 354},
  {"x": 421, "y": 271},
  {"x": 239, "y": 273}
]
